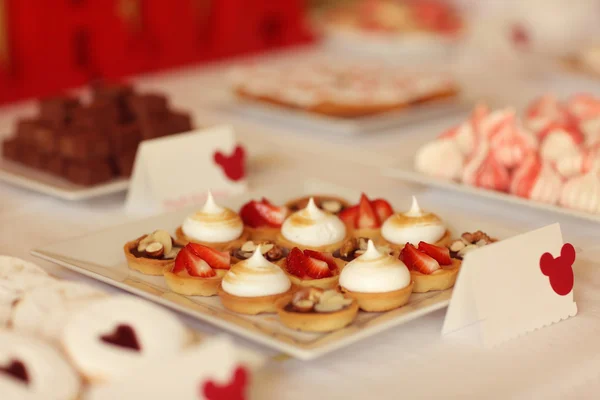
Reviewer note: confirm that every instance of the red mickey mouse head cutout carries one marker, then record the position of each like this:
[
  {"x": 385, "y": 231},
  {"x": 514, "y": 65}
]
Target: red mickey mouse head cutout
[
  {"x": 560, "y": 269},
  {"x": 234, "y": 390},
  {"x": 234, "y": 165}
]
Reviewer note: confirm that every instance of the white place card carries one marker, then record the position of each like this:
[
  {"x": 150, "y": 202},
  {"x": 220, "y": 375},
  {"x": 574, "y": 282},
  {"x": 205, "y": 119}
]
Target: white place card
[
  {"x": 514, "y": 286},
  {"x": 177, "y": 171},
  {"x": 215, "y": 369}
]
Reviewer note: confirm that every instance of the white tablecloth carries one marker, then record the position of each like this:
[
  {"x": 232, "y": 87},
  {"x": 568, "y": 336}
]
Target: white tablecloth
[{"x": 410, "y": 361}]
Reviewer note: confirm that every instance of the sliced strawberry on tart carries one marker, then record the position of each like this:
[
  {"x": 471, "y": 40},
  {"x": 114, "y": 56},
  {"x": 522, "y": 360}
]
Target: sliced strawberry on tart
[
  {"x": 431, "y": 267},
  {"x": 311, "y": 268},
  {"x": 198, "y": 270},
  {"x": 262, "y": 219},
  {"x": 365, "y": 218}
]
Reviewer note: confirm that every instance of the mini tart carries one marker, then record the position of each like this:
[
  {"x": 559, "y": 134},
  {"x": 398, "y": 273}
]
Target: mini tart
[
  {"x": 182, "y": 240},
  {"x": 145, "y": 265},
  {"x": 252, "y": 305},
  {"x": 299, "y": 203},
  {"x": 441, "y": 279},
  {"x": 262, "y": 234},
  {"x": 445, "y": 241},
  {"x": 236, "y": 259},
  {"x": 328, "y": 248},
  {"x": 315, "y": 321},
  {"x": 188, "y": 285},
  {"x": 330, "y": 282},
  {"x": 369, "y": 233},
  {"x": 378, "y": 302}
]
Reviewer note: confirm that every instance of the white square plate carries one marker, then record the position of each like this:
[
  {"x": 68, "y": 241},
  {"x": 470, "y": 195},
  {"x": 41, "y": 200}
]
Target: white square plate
[
  {"x": 349, "y": 126},
  {"x": 100, "y": 256},
  {"x": 42, "y": 182}
]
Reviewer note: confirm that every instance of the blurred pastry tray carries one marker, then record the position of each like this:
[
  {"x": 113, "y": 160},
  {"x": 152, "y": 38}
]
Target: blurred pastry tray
[
  {"x": 294, "y": 118},
  {"x": 45, "y": 183},
  {"x": 100, "y": 256}
]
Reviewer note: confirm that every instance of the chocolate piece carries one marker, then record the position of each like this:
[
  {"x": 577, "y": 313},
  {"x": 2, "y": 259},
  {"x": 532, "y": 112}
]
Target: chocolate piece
[
  {"x": 111, "y": 91},
  {"x": 58, "y": 111},
  {"x": 89, "y": 172},
  {"x": 149, "y": 103},
  {"x": 123, "y": 336},
  {"x": 124, "y": 163},
  {"x": 45, "y": 139},
  {"x": 179, "y": 122},
  {"x": 32, "y": 157},
  {"x": 125, "y": 138},
  {"x": 275, "y": 254},
  {"x": 16, "y": 369},
  {"x": 11, "y": 149},
  {"x": 82, "y": 146},
  {"x": 57, "y": 165},
  {"x": 98, "y": 117},
  {"x": 26, "y": 130}
]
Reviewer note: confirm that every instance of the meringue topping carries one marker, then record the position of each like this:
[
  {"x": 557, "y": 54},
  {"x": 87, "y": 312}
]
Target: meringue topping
[
  {"x": 213, "y": 223},
  {"x": 558, "y": 144},
  {"x": 374, "y": 272},
  {"x": 255, "y": 277},
  {"x": 441, "y": 158},
  {"x": 582, "y": 193},
  {"x": 413, "y": 226},
  {"x": 312, "y": 226}
]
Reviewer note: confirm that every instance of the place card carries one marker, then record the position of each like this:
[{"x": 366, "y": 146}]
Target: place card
[
  {"x": 176, "y": 171},
  {"x": 215, "y": 369},
  {"x": 514, "y": 286}
]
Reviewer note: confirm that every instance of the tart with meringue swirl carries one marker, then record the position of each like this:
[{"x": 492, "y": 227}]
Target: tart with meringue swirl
[{"x": 213, "y": 226}]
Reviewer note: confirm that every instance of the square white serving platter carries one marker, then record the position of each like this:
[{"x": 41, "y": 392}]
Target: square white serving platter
[
  {"x": 270, "y": 113},
  {"x": 100, "y": 256},
  {"x": 42, "y": 182}
]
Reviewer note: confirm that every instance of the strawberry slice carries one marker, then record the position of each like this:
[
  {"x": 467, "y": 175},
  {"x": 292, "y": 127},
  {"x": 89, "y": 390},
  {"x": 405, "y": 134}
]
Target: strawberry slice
[
  {"x": 327, "y": 257},
  {"x": 382, "y": 208},
  {"x": 262, "y": 213},
  {"x": 350, "y": 216},
  {"x": 316, "y": 268},
  {"x": 440, "y": 254},
  {"x": 214, "y": 258},
  {"x": 294, "y": 263},
  {"x": 418, "y": 261},
  {"x": 195, "y": 266},
  {"x": 367, "y": 218}
]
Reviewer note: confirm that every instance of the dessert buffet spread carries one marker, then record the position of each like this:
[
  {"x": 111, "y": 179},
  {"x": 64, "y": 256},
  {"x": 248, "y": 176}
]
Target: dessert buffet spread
[
  {"x": 551, "y": 154},
  {"x": 316, "y": 262},
  {"x": 60, "y": 340},
  {"x": 340, "y": 89},
  {"x": 89, "y": 144}
]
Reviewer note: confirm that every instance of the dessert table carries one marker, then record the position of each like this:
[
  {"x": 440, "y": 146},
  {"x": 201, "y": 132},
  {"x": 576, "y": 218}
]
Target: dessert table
[{"x": 412, "y": 360}]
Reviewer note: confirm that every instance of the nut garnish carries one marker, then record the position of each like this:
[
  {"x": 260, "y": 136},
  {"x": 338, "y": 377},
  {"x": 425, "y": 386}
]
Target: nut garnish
[
  {"x": 155, "y": 249},
  {"x": 264, "y": 248},
  {"x": 457, "y": 245},
  {"x": 303, "y": 305},
  {"x": 249, "y": 246},
  {"x": 275, "y": 253},
  {"x": 363, "y": 243},
  {"x": 173, "y": 253},
  {"x": 164, "y": 238},
  {"x": 319, "y": 300},
  {"x": 331, "y": 206},
  {"x": 144, "y": 242},
  {"x": 348, "y": 247}
]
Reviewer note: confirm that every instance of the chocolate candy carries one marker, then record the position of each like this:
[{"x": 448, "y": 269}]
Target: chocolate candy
[
  {"x": 89, "y": 172},
  {"x": 180, "y": 122},
  {"x": 58, "y": 111},
  {"x": 46, "y": 139},
  {"x": 56, "y": 165},
  {"x": 125, "y": 138},
  {"x": 11, "y": 149},
  {"x": 81, "y": 146}
]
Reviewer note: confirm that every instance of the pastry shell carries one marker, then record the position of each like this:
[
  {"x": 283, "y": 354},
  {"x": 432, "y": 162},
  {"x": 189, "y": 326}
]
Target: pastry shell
[
  {"x": 262, "y": 234},
  {"x": 182, "y": 240},
  {"x": 377, "y": 302},
  {"x": 316, "y": 321},
  {"x": 445, "y": 241},
  {"x": 330, "y": 282},
  {"x": 252, "y": 305},
  {"x": 188, "y": 285},
  {"x": 145, "y": 265},
  {"x": 443, "y": 280}
]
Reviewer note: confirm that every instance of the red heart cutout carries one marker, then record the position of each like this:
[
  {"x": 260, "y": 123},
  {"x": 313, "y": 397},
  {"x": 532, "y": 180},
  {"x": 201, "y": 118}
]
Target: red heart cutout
[
  {"x": 560, "y": 269},
  {"x": 234, "y": 165},
  {"x": 234, "y": 390}
]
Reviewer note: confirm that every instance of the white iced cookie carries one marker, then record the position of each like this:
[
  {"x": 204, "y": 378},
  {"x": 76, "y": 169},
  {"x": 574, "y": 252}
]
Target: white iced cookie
[
  {"x": 312, "y": 226},
  {"x": 33, "y": 370},
  {"x": 374, "y": 272},
  {"x": 112, "y": 337},
  {"x": 255, "y": 277},
  {"x": 16, "y": 277},
  {"x": 44, "y": 310},
  {"x": 413, "y": 226},
  {"x": 213, "y": 223}
]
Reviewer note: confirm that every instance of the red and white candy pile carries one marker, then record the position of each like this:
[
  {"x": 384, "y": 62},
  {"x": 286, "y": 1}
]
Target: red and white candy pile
[{"x": 551, "y": 155}]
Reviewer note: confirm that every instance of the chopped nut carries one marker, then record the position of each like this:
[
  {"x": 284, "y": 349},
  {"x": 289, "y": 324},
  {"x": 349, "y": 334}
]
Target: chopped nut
[
  {"x": 164, "y": 238},
  {"x": 331, "y": 206},
  {"x": 145, "y": 241},
  {"x": 481, "y": 243},
  {"x": 363, "y": 243},
  {"x": 358, "y": 253},
  {"x": 348, "y": 247},
  {"x": 328, "y": 307},
  {"x": 384, "y": 249},
  {"x": 328, "y": 294},
  {"x": 266, "y": 247},
  {"x": 248, "y": 246},
  {"x": 303, "y": 305},
  {"x": 467, "y": 249},
  {"x": 275, "y": 253},
  {"x": 155, "y": 250},
  {"x": 468, "y": 237},
  {"x": 457, "y": 245},
  {"x": 173, "y": 253}
]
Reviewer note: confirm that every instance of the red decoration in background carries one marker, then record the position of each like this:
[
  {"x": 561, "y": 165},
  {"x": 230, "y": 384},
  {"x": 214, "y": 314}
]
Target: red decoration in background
[
  {"x": 234, "y": 165},
  {"x": 560, "y": 269},
  {"x": 52, "y": 47},
  {"x": 234, "y": 390}
]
